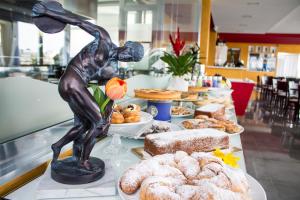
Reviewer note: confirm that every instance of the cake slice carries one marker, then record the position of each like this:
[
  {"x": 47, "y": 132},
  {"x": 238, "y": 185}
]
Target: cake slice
[
  {"x": 213, "y": 110},
  {"x": 187, "y": 140}
]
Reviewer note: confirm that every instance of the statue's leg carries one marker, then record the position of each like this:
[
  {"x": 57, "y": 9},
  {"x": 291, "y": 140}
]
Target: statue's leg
[
  {"x": 89, "y": 142},
  {"x": 82, "y": 104},
  {"x": 70, "y": 136},
  {"x": 77, "y": 143},
  {"x": 99, "y": 129},
  {"x": 73, "y": 90},
  {"x": 75, "y": 132}
]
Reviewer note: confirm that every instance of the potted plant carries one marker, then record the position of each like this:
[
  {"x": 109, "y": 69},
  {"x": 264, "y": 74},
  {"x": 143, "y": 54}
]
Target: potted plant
[{"x": 179, "y": 64}]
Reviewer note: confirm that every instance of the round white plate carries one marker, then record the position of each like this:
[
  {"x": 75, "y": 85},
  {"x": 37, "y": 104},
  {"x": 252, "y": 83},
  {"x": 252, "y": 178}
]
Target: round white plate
[
  {"x": 173, "y": 127},
  {"x": 188, "y": 115},
  {"x": 130, "y": 130},
  {"x": 257, "y": 192},
  {"x": 145, "y": 118},
  {"x": 242, "y": 129}
]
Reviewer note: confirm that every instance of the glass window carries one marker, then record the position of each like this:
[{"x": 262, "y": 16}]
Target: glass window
[
  {"x": 77, "y": 44},
  {"x": 108, "y": 18},
  {"x": 1, "y": 48},
  {"x": 29, "y": 45},
  {"x": 53, "y": 45}
]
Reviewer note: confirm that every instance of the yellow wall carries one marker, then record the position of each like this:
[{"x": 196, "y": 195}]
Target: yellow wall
[
  {"x": 205, "y": 31},
  {"x": 289, "y": 48},
  {"x": 244, "y": 50},
  {"x": 228, "y": 73},
  {"x": 212, "y": 47}
]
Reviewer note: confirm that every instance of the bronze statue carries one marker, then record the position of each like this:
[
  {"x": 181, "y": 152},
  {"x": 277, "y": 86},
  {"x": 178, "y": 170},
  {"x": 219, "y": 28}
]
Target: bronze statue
[{"x": 95, "y": 61}]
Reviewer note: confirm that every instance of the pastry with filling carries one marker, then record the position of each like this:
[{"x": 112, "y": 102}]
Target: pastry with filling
[{"x": 196, "y": 176}]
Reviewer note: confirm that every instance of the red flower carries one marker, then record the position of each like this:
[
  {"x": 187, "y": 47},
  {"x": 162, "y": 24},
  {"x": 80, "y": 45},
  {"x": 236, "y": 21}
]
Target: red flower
[
  {"x": 115, "y": 88},
  {"x": 177, "y": 45}
]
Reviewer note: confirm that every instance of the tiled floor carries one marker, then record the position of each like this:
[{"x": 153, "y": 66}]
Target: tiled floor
[{"x": 272, "y": 151}]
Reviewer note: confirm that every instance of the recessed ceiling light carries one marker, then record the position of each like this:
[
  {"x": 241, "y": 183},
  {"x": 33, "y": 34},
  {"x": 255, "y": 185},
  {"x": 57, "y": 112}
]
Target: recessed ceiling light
[
  {"x": 253, "y": 3},
  {"x": 243, "y": 25},
  {"x": 247, "y": 16}
]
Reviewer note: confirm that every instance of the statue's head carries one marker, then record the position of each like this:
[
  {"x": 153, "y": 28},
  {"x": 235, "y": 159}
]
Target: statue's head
[{"x": 130, "y": 52}]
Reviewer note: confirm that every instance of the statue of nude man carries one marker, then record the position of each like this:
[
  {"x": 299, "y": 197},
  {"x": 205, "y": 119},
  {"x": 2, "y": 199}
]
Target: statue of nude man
[{"x": 94, "y": 62}]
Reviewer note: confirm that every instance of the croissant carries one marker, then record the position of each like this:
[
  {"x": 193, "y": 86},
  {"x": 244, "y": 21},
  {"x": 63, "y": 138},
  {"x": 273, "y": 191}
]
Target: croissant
[{"x": 179, "y": 176}]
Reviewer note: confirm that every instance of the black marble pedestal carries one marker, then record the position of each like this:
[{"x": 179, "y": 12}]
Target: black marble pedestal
[{"x": 68, "y": 171}]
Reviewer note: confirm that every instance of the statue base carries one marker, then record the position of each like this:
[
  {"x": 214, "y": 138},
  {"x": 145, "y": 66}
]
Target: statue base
[{"x": 68, "y": 171}]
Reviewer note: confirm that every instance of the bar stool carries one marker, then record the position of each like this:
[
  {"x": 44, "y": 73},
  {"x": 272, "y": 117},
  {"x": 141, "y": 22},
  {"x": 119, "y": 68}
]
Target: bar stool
[
  {"x": 258, "y": 84},
  {"x": 293, "y": 101},
  {"x": 274, "y": 90},
  {"x": 297, "y": 108},
  {"x": 264, "y": 87},
  {"x": 282, "y": 95},
  {"x": 269, "y": 88},
  {"x": 293, "y": 89}
]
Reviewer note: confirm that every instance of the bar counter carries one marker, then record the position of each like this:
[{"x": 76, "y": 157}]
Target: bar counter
[{"x": 237, "y": 72}]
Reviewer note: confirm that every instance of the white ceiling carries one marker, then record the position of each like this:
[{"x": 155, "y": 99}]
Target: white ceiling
[{"x": 256, "y": 16}]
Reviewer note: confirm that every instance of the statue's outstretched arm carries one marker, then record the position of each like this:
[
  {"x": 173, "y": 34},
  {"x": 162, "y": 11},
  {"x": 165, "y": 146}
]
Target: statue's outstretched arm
[{"x": 41, "y": 9}]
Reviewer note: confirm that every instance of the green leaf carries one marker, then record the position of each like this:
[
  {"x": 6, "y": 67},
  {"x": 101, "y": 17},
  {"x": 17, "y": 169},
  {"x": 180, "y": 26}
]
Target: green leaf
[
  {"x": 99, "y": 95},
  {"x": 180, "y": 65},
  {"x": 94, "y": 87},
  {"x": 102, "y": 97}
]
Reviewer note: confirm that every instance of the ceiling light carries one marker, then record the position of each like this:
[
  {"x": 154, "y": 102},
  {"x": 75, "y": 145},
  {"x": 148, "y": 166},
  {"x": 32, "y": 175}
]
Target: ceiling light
[
  {"x": 243, "y": 25},
  {"x": 253, "y": 3},
  {"x": 247, "y": 16}
]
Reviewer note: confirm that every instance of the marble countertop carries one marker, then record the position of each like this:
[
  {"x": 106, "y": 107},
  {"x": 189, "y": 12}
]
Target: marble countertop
[{"x": 120, "y": 162}]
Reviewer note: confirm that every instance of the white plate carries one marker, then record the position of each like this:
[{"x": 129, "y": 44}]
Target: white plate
[
  {"x": 173, "y": 127},
  {"x": 257, "y": 192},
  {"x": 130, "y": 129},
  {"x": 242, "y": 129},
  {"x": 145, "y": 118},
  {"x": 188, "y": 115}
]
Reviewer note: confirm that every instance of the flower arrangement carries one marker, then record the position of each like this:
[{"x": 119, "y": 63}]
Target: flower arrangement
[
  {"x": 115, "y": 88},
  {"x": 228, "y": 158},
  {"x": 179, "y": 64}
]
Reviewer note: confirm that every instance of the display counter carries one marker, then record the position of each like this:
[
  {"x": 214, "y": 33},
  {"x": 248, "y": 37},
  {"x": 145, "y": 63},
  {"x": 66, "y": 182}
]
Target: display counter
[
  {"x": 236, "y": 72},
  {"x": 120, "y": 162},
  {"x": 31, "y": 177}
]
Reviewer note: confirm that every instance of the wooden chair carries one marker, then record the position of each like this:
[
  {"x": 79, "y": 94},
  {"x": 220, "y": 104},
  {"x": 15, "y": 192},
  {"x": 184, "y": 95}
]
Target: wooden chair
[
  {"x": 264, "y": 87},
  {"x": 293, "y": 102},
  {"x": 297, "y": 108},
  {"x": 274, "y": 89},
  {"x": 282, "y": 94},
  {"x": 269, "y": 88}
]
